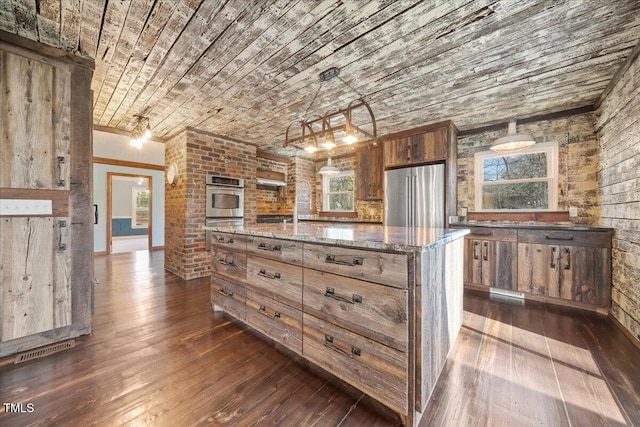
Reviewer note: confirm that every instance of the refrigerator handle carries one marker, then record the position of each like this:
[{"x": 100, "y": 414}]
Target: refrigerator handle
[
  {"x": 414, "y": 189},
  {"x": 407, "y": 190}
]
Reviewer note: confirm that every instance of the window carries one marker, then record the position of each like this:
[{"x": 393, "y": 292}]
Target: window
[
  {"x": 524, "y": 180},
  {"x": 337, "y": 192},
  {"x": 140, "y": 207}
]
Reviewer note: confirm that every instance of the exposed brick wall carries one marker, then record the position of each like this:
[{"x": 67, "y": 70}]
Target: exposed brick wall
[
  {"x": 577, "y": 163},
  {"x": 618, "y": 126},
  {"x": 197, "y": 153},
  {"x": 271, "y": 200}
]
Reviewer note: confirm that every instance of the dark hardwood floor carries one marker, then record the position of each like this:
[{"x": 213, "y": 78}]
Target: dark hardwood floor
[{"x": 159, "y": 356}]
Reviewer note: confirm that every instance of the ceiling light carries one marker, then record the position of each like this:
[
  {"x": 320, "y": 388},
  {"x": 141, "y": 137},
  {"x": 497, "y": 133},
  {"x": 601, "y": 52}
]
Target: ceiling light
[
  {"x": 512, "y": 140},
  {"x": 329, "y": 141},
  {"x": 350, "y": 136},
  {"x": 310, "y": 149},
  {"x": 328, "y": 169},
  {"x": 141, "y": 131}
]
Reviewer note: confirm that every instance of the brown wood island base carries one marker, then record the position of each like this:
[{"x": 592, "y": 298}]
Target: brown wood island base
[{"x": 377, "y": 307}]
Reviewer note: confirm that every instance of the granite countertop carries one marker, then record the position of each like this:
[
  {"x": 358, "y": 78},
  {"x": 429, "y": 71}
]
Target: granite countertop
[
  {"x": 366, "y": 236},
  {"x": 531, "y": 225},
  {"x": 319, "y": 218}
]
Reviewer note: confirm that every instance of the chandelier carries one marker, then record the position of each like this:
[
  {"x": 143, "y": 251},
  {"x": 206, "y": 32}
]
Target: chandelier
[
  {"x": 141, "y": 131},
  {"x": 354, "y": 123}
]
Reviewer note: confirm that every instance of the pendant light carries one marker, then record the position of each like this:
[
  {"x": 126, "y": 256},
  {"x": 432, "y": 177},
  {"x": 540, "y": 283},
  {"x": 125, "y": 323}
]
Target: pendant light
[
  {"x": 512, "y": 140},
  {"x": 328, "y": 169}
]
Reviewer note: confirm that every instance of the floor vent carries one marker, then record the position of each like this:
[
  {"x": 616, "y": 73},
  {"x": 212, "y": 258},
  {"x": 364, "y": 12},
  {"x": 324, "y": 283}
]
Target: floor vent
[
  {"x": 505, "y": 295},
  {"x": 44, "y": 351}
]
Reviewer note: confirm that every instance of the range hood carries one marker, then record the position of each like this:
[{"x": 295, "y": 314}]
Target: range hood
[
  {"x": 270, "y": 178},
  {"x": 271, "y": 182}
]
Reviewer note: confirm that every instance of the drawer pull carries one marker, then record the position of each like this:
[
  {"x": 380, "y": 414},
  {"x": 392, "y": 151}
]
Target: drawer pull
[
  {"x": 61, "y": 245},
  {"x": 553, "y": 257},
  {"x": 331, "y": 293},
  {"x": 475, "y": 249},
  {"x": 228, "y": 260},
  {"x": 328, "y": 342},
  {"x": 263, "y": 273},
  {"x": 485, "y": 256},
  {"x": 567, "y": 266},
  {"x": 331, "y": 259},
  {"x": 567, "y": 238},
  {"x": 225, "y": 293},
  {"x": 481, "y": 233},
  {"x": 221, "y": 239},
  {"x": 61, "y": 162},
  {"x": 267, "y": 247},
  {"x": 263, "y": 310}
]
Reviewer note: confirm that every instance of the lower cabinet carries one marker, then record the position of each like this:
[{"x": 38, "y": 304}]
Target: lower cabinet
[
  {"x": 491, "y": 257},
  {"x": 573, "y": 266},
  {"x": 229, "y": 296},
  {"x": 276, "y": 320}
]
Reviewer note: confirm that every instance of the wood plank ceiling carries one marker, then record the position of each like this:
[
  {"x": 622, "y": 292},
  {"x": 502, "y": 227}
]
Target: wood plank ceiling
[{"x": 248, "y": 69}]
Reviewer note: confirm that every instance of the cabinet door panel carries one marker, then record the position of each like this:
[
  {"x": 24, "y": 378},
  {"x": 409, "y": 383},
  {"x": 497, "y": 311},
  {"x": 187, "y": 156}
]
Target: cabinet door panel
[
  {"x": 584, "y": 274},
  {"x": 473, "y": 261},
  {"x": 36, "y": 292},
  {"x": 499, "y": 264},
  {"x": 396, "y": 152},
  {"x": 539, "y": 269},
  {"x": 36, "y": 111}
]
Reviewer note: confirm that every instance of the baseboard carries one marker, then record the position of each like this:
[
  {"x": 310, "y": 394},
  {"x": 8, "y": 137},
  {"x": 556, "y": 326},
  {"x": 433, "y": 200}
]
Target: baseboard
[
  {"x": 625, "y": 331},
  {"x": 100, "y": 253},
  {"x": 157, "y": 248}
]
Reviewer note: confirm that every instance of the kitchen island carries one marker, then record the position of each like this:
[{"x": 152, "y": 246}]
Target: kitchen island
[{"x": 377, "y": 307}]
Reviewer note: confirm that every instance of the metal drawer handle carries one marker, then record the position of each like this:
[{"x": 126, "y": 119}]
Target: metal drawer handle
[
  {"x": 331, "y": 259},
  {"x": 225, "y": 293},
  {"x": 267, "y": 247},
  {"x": 263, "y": 273},
  {"x": 567, "y": 266},
  {"x": 224, "y": 261},
  {"x": 61, "y": 246},
  {"x": 553, "y": 257},
  {"x": 475, "y": 250},
  {"x": 328, "y": 342},
  {"x": 60, "y": 163},
  {"x": 331, "y": 293},
  {"x": 568, "y": 238},
  {"x": 263, "y": 310},
  {"x": 485, "y": 256},
  {"x": 221, "y": 239},
  {"x": 481, "y": 233}
]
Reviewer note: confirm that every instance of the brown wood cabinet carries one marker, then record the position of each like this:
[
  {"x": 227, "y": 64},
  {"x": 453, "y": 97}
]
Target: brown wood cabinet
[
  {"x": 369, "y": 174},
  {"x": 491, "y": 257},
  {"x": 569, "y": 265},
  {"x": 46, "y": 259},
  {"x": 424, "y": 147}
]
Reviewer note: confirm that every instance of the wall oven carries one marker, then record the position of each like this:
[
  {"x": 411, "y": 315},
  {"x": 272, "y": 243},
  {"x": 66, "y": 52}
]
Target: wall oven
[{"x": 225, "y": 197}]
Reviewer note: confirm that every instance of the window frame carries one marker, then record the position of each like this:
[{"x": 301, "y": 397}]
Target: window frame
[
  {"x": 326, "y": 193},
  {"x": 551, "y": 150}
]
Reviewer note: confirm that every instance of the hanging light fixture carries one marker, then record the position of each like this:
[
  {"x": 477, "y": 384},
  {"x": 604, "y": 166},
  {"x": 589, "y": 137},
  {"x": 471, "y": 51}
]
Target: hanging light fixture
[
  {"x": 328, "y": 169},
  {"x": 329, "y": 141},
  {"x": 512, "y": 140},
  {"x": 141, "y": 131}
]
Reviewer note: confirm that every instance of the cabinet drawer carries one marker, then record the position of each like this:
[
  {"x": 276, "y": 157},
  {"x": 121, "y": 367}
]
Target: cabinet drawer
[
  {"x": 276, "y": 320},
  {"x": 229, "y": 263},
  {"x": 489, "y": 233},
  {"x": 227, "y": 241},
  {"x": 376, "y": 369},
  {"x": 375, "y": 311},
  {"x": 379, "y": 267},
  {"x": 230, "y": 296},
  {"x": 277, "y": 249},
  {"x": 280, "y": 281},
  {"x": 594, "y": 239}
]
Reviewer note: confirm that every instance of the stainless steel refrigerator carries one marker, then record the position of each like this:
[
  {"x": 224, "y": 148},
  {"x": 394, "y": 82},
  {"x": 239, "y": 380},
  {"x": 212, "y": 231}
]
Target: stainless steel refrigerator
[{"x": 414, "y": 197}]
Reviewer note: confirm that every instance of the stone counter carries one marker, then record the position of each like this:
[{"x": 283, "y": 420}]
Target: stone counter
[
  {"x": 569, "y": 226},
  {"x": 366, "y": 236}
]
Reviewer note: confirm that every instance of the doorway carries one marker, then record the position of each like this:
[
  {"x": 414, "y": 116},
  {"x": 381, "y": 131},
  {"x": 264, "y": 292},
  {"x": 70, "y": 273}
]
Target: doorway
[{"x": 129, "y": 212}]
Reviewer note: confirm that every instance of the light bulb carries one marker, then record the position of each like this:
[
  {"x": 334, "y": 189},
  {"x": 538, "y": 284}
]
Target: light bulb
[{"x": 311, "y": 149}]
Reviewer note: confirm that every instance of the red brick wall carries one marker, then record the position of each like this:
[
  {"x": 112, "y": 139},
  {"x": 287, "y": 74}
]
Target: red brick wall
[{"x": 197, "y": 153}]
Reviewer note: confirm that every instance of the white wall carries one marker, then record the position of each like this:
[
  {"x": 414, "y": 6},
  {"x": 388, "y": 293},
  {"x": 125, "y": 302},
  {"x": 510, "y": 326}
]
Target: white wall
[{"x": 117, "y": 147}]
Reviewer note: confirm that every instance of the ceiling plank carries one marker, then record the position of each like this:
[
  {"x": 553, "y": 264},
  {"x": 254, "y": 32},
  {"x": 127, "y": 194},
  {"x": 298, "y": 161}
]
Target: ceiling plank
[
  {"x": 7, "y": 16},
  {"x": 26, "y": 21},
  {"x": 49, "y": 22},
  {"x": 70, "y": 15},
  {"x": 91, "y": 26}
]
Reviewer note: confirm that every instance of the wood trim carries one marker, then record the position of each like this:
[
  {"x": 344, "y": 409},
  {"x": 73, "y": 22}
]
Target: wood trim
[
  {"x": 110, "y": 176},
  {"x": 157, "y": 248},
  {"x": 128, "y": 164},
  {"x": 268, "y": 174},
  {"x": 124, "y": 133},
  {"x": 270, "y": 156},
  {"x": 59, "y": 198},
  {"x": 555, "y": 216},
  {"x": 414, "y": 131},
  {"x": 43, "y": 49},
  {"x": 100, "y": 253},
  {"x": 625, "y": 331},
  {"x": 338, "y": 214},
  {"x": 537, "y": 118},
  {"x": 618, "y": 75}
]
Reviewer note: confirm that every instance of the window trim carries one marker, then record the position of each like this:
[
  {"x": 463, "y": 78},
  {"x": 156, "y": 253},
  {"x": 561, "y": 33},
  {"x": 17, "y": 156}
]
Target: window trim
[
  {"x": 550, "y": 148},
  {"x": 326, "y": 193}
]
